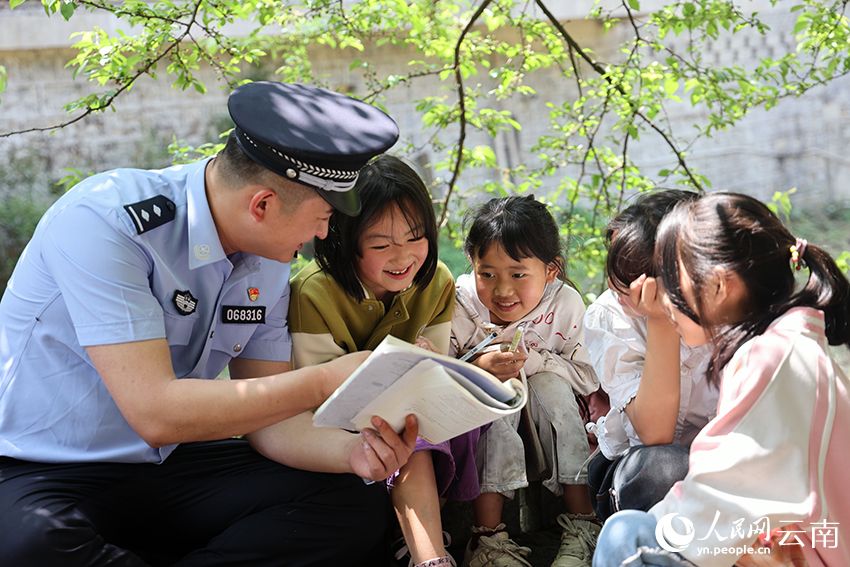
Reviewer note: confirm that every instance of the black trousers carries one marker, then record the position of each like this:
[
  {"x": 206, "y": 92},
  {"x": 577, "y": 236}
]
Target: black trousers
[{"x": 215, "y": 503}]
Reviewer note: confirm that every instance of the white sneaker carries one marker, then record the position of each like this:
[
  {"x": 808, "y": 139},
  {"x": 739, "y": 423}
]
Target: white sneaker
[
  {"x": 496, "y": 550},
  {"x": 578, "y": 541}
]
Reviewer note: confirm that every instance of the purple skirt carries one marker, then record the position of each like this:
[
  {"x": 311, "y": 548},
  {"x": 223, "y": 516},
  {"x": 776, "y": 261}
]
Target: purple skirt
[{"x": 454, "y": 466}]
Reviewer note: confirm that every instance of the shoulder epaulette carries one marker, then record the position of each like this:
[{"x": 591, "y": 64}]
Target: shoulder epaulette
[{"x": 151, "y": 213}]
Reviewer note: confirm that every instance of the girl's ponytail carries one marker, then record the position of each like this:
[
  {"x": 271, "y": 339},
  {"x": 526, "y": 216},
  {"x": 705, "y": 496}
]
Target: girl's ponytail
[
  {"x": 740, "y": 234},
  {"x": 827, "y": 289}
]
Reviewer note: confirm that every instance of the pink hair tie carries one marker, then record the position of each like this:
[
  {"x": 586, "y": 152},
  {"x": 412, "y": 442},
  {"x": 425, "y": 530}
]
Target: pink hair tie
[{"x": 797, "y": 251}]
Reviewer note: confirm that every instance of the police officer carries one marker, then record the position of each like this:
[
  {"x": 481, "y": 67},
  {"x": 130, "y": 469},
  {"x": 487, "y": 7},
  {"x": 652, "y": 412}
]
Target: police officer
[{"x": 137, "y": 289}]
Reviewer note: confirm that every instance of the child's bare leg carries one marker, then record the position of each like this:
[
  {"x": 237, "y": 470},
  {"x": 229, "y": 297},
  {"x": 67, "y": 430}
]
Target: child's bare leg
[
  {"x": 417, "y": 506},
  {"x": 577, "y": 499},
  {"x": 488, "y": 509}
]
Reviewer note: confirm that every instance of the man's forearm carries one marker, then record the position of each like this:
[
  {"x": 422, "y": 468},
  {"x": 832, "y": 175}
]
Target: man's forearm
[
  {"x": 164, "y": 410},
  {"x": 297, "y": 443}
]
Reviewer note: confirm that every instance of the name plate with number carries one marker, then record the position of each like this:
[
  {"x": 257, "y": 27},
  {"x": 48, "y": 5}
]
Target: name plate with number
[{"x": 243, "y": 315}]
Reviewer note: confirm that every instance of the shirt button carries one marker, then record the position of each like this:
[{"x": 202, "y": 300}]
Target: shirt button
[
  {"x": 397, "y": 314},
  {"x": 370, "y": 308},
  {"x": 237, "y": 347}
]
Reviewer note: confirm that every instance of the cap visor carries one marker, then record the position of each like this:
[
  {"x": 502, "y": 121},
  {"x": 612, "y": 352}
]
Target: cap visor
[{"x": 346, "y": 202}]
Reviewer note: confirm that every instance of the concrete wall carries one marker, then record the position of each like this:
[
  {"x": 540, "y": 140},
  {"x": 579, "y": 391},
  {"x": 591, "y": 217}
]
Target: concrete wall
[{"x": 796, "y": 144}]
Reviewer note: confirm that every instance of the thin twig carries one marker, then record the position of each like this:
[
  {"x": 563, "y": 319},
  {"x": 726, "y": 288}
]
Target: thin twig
[
  {"x": 127, "y": 84},
  {"x": 462, "y": 102},
  {"x": 601, "y": 71}
]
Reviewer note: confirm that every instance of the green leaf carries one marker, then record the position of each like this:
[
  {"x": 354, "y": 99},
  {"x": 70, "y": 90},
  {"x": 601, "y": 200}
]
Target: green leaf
[
  {"x": 67, "y": 10},
  {"x": 484, "y": 155},
  {"x": 634, "y": 4},
  {"x": 15, "y": 3}
]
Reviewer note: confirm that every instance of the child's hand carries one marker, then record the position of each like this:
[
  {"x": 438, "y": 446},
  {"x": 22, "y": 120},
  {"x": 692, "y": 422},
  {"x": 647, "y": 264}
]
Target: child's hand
[
  {"x": 423, "y": 342},
  {"x": 502, "y": 365},
  {"x": 645, "y": 298}
]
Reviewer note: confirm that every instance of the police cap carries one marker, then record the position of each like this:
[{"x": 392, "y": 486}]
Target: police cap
[{"x": 310, "y": 135}]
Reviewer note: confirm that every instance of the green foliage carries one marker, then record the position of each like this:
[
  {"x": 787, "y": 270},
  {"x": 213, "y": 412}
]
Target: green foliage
[
  {"x": 451, "y": 253},
  {"x": 825, "y": 226},
  {"x": 18, "y": 217},
  {"x": 780, "y": 204},
  {"x": 481, "y": 53}
]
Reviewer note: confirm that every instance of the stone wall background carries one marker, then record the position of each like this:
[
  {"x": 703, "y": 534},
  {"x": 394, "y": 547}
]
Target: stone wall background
[{"x": 800, "y": 143}]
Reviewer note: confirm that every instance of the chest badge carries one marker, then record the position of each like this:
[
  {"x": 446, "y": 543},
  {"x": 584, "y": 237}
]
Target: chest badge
[
  {"x": 253, "y": 293},
  {"x": 185, "y": 302}
]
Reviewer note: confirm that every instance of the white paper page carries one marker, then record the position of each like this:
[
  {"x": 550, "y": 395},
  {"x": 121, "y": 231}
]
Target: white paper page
[
  {"x": 444, "y": 408},
  {"x": 393, "y": 358},
  {"x": 479, "y": 394},
  {"x": 492, "y": 386},
  {"x": 363, "y": 386}
]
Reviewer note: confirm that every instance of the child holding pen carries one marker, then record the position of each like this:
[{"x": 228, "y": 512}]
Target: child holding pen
[{"x": 517, "y": 290}]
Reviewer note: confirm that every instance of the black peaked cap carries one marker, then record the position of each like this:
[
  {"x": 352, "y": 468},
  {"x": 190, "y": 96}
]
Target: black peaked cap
[{"x": 313, "y": 136}]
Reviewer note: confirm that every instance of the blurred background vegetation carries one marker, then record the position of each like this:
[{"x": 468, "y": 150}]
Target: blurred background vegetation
[{"x": 622, "y": 94}]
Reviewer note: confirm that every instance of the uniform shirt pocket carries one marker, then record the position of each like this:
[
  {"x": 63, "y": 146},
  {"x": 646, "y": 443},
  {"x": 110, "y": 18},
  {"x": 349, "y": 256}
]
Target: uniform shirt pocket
[{"x": 178, "y": 329}]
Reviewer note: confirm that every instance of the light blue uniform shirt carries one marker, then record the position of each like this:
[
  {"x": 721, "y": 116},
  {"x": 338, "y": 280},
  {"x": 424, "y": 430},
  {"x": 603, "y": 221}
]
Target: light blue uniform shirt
[{"x": 108, "y": 264}]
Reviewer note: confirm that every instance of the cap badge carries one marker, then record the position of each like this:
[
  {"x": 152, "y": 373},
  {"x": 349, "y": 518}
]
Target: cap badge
[
  {"x": 253, "y": 293},
  {"x": 185, "y": 302}
]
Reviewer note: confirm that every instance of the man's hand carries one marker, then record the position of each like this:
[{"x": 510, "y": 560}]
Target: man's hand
[
  {"x": 502, "y": 365},
  {"x": 380, "y": 452},
  {"x": 336, "y": 371}
]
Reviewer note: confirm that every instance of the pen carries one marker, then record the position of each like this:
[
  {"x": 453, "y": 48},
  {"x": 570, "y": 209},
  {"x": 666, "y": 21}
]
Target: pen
[
  {"x": 517, "y": 337},
  {"x": 505, "y": 347},
  {"x": 480, "y": 346}
]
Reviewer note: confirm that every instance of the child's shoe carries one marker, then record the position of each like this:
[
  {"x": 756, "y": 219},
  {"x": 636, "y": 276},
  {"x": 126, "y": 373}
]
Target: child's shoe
[
  {"x": 496, "y": 549},
  {"x": 444, "y": 561},
  {"x": 401, "y": 553},
  {"x": 578, "y": 540}
]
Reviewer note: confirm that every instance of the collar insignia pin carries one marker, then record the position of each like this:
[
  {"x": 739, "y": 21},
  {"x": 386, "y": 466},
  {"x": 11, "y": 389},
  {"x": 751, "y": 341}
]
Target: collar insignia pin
[{"x": 253, "y": 293}]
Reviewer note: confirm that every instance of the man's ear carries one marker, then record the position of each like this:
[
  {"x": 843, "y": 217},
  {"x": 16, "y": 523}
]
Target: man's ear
[{"x": 260, "y": 202}]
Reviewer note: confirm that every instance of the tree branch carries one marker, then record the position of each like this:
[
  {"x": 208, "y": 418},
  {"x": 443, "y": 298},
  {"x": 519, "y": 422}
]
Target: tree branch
[
  {"x": 462, "y": 102},
  {"x": 127, "y": 84},
  {"x": 602, "y": 73}
]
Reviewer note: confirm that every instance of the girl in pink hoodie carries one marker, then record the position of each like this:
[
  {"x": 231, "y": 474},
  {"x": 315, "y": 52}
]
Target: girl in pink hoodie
[{"x": 767, "y": 477}]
